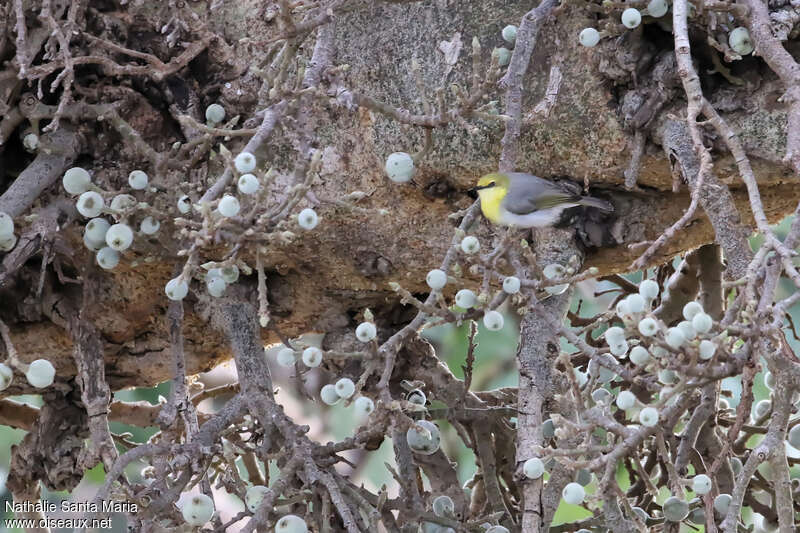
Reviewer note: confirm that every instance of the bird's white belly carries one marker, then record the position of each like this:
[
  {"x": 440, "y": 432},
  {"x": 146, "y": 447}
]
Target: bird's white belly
[{"x": 538, "y": 219}]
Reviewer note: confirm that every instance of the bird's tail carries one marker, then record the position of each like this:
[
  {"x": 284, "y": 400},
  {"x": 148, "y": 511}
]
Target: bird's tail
[{"x": 591, "y": 201}]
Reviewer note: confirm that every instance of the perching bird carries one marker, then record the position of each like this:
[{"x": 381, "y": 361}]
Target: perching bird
[{"x": 526, "y": 201}]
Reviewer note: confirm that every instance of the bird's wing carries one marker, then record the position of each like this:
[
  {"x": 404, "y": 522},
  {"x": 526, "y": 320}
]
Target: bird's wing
[{"x": 528, "y": 193}]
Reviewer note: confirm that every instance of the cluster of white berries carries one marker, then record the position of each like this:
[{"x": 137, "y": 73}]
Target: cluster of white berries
[
  {"x": 39, "y": 373},
  {"x": 503, "y": 54}
]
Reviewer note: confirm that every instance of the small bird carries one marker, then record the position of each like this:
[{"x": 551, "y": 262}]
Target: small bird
[{"x": 526, "y": 201}]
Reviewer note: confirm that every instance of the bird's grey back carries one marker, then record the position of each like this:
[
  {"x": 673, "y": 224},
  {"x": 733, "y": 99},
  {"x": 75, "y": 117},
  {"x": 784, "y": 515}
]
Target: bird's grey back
[{"x": 526, "y": 191}]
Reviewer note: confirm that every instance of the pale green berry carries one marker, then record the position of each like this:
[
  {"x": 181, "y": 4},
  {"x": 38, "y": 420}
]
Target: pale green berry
[
  {"x": 503, "y": 56},
  {"x": 291, "y": 524},
  {"x": 619, "y": 349},
  {"x": 631, "y": 18},
  {"x": 248, "y": 184},
  {"x": 245, "y": 162},
  {"x": 6, "y": 226},
  {"x": 675, "y": 509},
  {"x": 31, "y": 142},
  {"x": 76, "y": 180},
  {"x": 691, "y": 309},
  {"x": 216, "y": 286},
  {"x": 215, "y": 113},
  {"x": 702, "y": 323},
  {"x": 6, "y": 376},
  {"x": 589, "y": 37},
  {"x": 312, "y": 357},
  {"x": 739, "y": 40},
  {"x": 493, "y": 320},
  {"x": 92, "y": 244},
  {"x": 286, "y": 357},
  {"x": 470, "y": 244},
  {"x": 707, "y": 349},
  {"x": 626, "y": 400},
  {"x": 649, "y": 289},
  {"x": 657, "y": 8},
  {"x": 533, "y": 468},
  {"x": 622, "y": 308},
  {"x": 465, "y": 298},
  {"x": 198, "y": 510},
  {"x": 230, "y": 274},
  {"x": 573, "y": 493},
  {"x": 639, "y": 356},
  {"x": 601, "y": 396},
  {"x": 675, "y": 338},
  {"x": 228, "y": 206},
  {"x": 119, "y": 237},
  {"x": 363, "y": 406},
  {"x": 701, "y": 484},
  {"x": 510, "y": 34},
  {"x": 96, "y": 230},
  {"x": 762, "y": 408},
  {"x": 421, "y": 443},
  {"x": 149, "y": 226},
  {"x": 647, "y": 327},
  {"x": 436, "y": 279},
  {"x": 615, "y": 335},
  {"x": 511, "y": 285},
  {"x": 554, "y": 271},
  {"x": 443, "y": 505},
  {"x": 417, "y": 397},
  {"x": 648, "y": 416},
  {"x": 329, "y": 395},
  {"x": 366, "y": 331},
  {"x": 176, "y": 289},
  {"x": 794, "y": 436},
  {"x": 6, "y": 245},
  {"x": 254, "y": 496},
  {"x": 184, "y": 204},
  {"x": 107, "y": 258},
  {"x": 769, "y": 380},
  {"x": 635, "y": 303},
  {"x": 40, "y": 373},
  {"x": 137, "y": 179},
  {"x": 308, "y": 219},
  {"x": 90, "y": 204},
  {"x": 687, "y": 329},
  {"x": 122, "y": 202},
  {"x": 667, "y": 376},
  {"x": 736, "y": 463},
  {"x": 399, "y": 167},
  {"x": 345, "y": 387},
  {"x": 721, "y": 504}
]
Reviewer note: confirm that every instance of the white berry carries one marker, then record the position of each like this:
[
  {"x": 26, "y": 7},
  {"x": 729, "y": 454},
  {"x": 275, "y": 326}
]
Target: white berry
[
  {"x": 687, "y": 329},
  {"x": 648, "y": 289},
  {"x": 511, "y": 285},
  {"x": 119, "y": 237},
  {"x": 286, "y": 357},
  {"x": 215, "y": 113},
  {"x": 245, "y": 162},
  {"x": 657, "y": 8},
  {"x": 702, "y": 323},
  {"x": 6, "y": 226},
  {"x": 493, "y": 320},
  {"x": 589, "y": 37},
  {"x": 345, "y": 387},
  {"x": 635, "y": 303},
  {"x": 470, "y": 244},
  {"x": 366, "y": 331},
  {"x": 96, "y": 230},
  {"x": 639, "y": 356},
  {"x": 701, "y": 484},
  {"x": 6, "y": 376},
  {"x": 533, "y": 468},
  {"x": 648, "y": 327},
  {"x": 76, "y": 180},
  {"x": 291, "y": 524},
  {"x": 675, "y": 338},
  {"x": 399, "y": 167},
  {"x": 198, "y": 510},
  {"x": 40, "y": 373},
  {"x": 216, "y": 286},
  {"x": 436, "y": 279},
  {"x": 691, "y": 309},
  {"x": 176, "y": 289},
  {"x": 573, "y": 493},
  {"x": 137, "y": 180},
  {"x": 363, "y": 406},
  {"x": 107, "y": 258},
  {"x": 312, "y": 357},
  {"x": 228, "y": 206},
  {"x": 721, "y": 503},
  {"x": 6, "y": 245},
  {"x": 308, "y": 219},
  {"x": 625, "y": 400},
  {"x": 230, "y": 274},
  {"x": 417, "y": 397},
  {"x": 149, "y": 226},
  {"x": 465, "y": 298},
  {"x": 248, "y": 184},
  {"x": 739, "y": 40},
  {"x": 184, "y": 204},
  {"x": 631, "y": 18},
  {"x": 503, "y": 56},
  {"x": 421, "y": 443},
  {"x": 510, "y": 34},
  {"x": 615, "y": 334},
  {"x": 675, "y": 509},
  {"x": 648, "y": 417},
  {"x": 794, "y": 436},
  {"x": 90, "y": 204},
  {"x": 329, "y": 395},
  {"x": 30, "y": 142}
]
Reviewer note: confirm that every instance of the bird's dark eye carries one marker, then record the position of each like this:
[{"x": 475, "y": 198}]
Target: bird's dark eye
[{"x": 491, "y": 184}]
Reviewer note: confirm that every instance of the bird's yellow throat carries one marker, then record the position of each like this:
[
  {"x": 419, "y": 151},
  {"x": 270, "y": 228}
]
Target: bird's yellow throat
[{"x": 490, "y": 202}]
